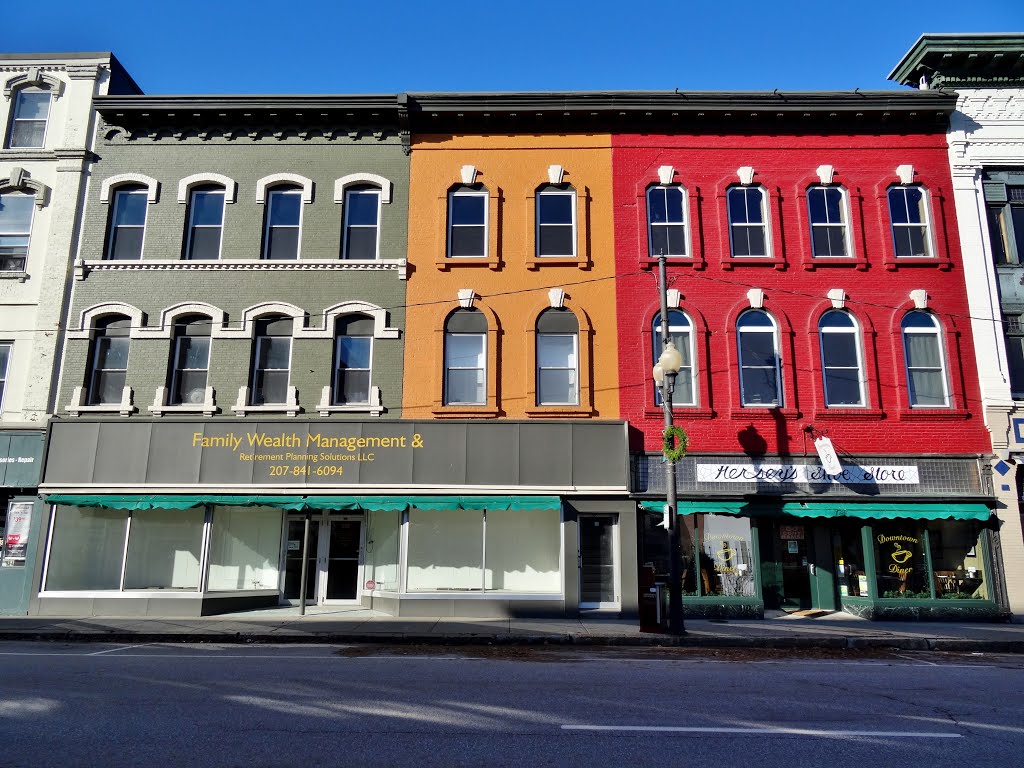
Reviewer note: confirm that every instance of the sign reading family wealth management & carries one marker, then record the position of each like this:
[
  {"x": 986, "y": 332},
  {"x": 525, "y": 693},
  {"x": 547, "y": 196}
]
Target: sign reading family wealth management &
[{"x": 779, "y": 474}]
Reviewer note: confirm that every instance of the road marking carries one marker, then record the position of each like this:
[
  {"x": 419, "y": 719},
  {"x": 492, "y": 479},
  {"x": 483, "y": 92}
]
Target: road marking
[
  {"x": 119, "y": 648},
  {"x": 762, "y": 731}
]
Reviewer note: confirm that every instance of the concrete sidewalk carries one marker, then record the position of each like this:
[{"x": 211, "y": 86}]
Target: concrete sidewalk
[{"x": 334, "y": 625}]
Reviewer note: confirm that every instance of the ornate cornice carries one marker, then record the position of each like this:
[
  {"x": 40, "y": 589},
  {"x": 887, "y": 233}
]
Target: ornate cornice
[
  {"x": 993, "y": 106},
  {"x": 401, "y": 266}
]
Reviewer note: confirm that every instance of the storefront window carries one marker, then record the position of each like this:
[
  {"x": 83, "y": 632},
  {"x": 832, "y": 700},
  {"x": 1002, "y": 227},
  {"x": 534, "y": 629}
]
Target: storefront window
[
  {"x": 382, "y": 541},
  {"x": 900, "y": 560},
  {"x": 163, "y": 549},
  {"x": 957, "y": 561},
  {"x": 86, "y": 549},
  {"x": 523, "y": 550},
  {"x": 446, "y": 550},
  {"x": 245, "y": 546},
  {"x": 655, "y": 541},
  {"x": 726, "y": 556},
  {"x": 848, "y": 550}
]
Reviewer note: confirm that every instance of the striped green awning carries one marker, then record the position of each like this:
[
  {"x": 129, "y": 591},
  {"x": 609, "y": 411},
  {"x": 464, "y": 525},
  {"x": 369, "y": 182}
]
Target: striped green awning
[
  {"x": 861, "y": 510},
  {"x": 299, "y": 503}
]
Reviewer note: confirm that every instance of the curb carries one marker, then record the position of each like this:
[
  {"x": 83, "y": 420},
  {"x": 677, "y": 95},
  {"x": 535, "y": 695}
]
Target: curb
[{"x": 648, "y": 641}]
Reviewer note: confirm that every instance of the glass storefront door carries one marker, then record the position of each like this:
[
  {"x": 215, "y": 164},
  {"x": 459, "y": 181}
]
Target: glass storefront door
[
  {"x": 598, "y": 581},
  {"x": 787, "y": 556},
  {"x": 333, "y": 560}
]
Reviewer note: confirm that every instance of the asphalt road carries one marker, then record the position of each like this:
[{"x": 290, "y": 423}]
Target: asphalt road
[{"x": 251, "y": 706}]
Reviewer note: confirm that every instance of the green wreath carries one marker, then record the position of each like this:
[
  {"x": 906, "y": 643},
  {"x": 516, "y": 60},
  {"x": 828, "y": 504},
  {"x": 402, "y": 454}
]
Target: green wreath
[{"x": 669, "y": 448}]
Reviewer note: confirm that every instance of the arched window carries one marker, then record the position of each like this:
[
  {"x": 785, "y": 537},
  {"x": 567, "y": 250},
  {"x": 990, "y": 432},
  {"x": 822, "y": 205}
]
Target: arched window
[
  {"x": 465, "y": 358},
  {"x": 108, "y": 360},
  {"x": 556, "y": 221},
  {"x": 353, "y": 356},
  {"x": 127, "y": 223},
  {"x": 467, "y": 222},
  {"x": 205, "y": 222},
  {"x": 29, "y": 117},
  {"x": 558, "y": 333},
  {"x": 666, "y": 221},
  {"x": 680, "y": 332},
  {"x": 908, "y": 212},
  {"x": 282, "y": 227},
  {"x": 748, "y": 228},
  {"x": 190, "y": 366},
  {"x": 272, "y": 357},
  {"x": 16, "y": 212},
  {"x": 827, "y": 212},
  {"x": 760, "y": 368},
  {"x": 842, "y": 361},
  {"x": 925, "y": 361},
  {"x": 362, "y": 223}
]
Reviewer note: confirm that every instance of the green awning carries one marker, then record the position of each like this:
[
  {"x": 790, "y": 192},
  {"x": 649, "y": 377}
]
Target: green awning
[
  {"x": 298, "y": 503},
  {"x": 860, "y": 510}
]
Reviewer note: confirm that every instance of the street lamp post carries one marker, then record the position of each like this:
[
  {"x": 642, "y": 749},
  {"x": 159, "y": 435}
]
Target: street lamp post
[{"x": 665, "y": 371}]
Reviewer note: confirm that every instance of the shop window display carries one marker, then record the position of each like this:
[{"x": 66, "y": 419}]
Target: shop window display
[
  {"x": 848, "y": 549},
  {"x": 901, "y": 568},
  {"x": 163, "y": 549},
  {"x": 86, "y": 549},
  {"x": 383, "y": 537},
  {"x": 726, "y": 556},
  {"x": 245, "y": 547},
  {"x": 958, "y": 566}
]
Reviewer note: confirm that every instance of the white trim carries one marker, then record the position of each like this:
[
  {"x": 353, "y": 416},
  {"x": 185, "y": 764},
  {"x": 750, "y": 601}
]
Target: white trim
[
  {"x": 765, "y": 222},
  {"x": 170, "y": 315},
  {"x": 113, "y": 228},
  {"x": 465, "y": 191},
  {"x": 926, "y": 204},
  {"x": 332, "y": 313},
  {"x": 401, "y": 266},
  {"x": 685, "y": 223},
  {"x": 571, "y": 193},
  {"x": 159, "y": 407},
  {"x": 373, "y": 407},
  {"x": 284, "y": 178},
  {"x": 341, "y": 185},
  {"x": 857, "y": 334},
  {"x": 844, "y": 207},
  {"x": 245, "y": 329},
  {"x": 90, "y": 314},
  {"x": 746, "y": 175},
  {"x": 186, "y": 184},
  {"x": 473, "y": 595},
  {"x": 345, "y": 225},
  {"x": 779, "y": 388},
  {"x": 264, "y": 253},
  {"x": 936, "y": 331},
  {"x": 691, "y": 331},
  {"x": 575, "y": 368},
  {"x": 77, "y": 405},
  {"x": 192, "y": 226},
  {"x": 152, "y": 185},
  {"x": 290, "y": 406},
  {"x": 445, "y": 489},
  {"x": 35, "y": 77}
]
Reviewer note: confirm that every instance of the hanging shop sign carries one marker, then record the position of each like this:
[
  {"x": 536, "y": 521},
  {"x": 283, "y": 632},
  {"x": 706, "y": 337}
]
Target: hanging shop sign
[
  {"x": 827, "y": 454},
  {"x": 905, "y": 474}
]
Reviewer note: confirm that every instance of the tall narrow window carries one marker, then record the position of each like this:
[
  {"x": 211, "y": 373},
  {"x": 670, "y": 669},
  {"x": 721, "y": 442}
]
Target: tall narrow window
[
  {"x": 15, "y": 228},
  {"x": 908, "y": 212},
  {"x": 666, "y": 221},
  {"x": 556, "y": 222},
  {"x": 558, "y": 333},
  {"x": 829, "y": 231},
  {"x": 1005, "y": 207},
  {"x": 679, "y": 331},
  {"x": 191, "y": 365},
  {"x": 127, "y": 224},
  {"x": 28, "y": 118},
  {"x": 926, "y": 365},
  {"x": 465, "y": 358},
  {"x": 353, "y": 353},
  {"x": 747, "y": 229},
  {"x": 283, "y": 224},
  {"x": 842, "y": 365},
  {"x": 5, "y": 358},
  {"x": 108, "y": 366},
  {"x": 760, "y": 368},
  {"x": 271, "y": 361},
  {"x": 362, "y": 223},
  {"x": 467, "y": 222},
  {"x": 205, "y": 223}
]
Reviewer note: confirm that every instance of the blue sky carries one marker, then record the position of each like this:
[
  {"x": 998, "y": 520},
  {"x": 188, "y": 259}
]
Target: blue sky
[{"x": 401, "y": 45}]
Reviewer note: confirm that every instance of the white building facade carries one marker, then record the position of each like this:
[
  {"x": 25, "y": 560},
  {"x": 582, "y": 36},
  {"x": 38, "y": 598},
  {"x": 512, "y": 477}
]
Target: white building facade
[{"x": 986, "y": 152}]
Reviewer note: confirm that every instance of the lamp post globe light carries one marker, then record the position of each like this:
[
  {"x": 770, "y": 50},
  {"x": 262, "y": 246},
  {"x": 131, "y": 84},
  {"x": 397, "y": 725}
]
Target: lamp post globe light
[{"x": 665, "y": 371}]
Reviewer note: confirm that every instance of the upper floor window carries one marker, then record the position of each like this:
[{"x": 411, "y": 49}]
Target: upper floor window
[
  {"x": 272, "y": 359},
  {"x": 666, "y": 221},
  {"x": 908, "y": 212},
  {"x": 28, "y": 118},
  {"x": 829, "y": 229},
  {"x": 760, "y": 367},
  {"x": 842, "y": 366},
  {"x": 465, "y": 358},
  {"x": 467, "y": 222},
  {"x": 283, "y": 224},
  {"x": 5, "y": 357},
  {"x": 556, "y": 221},
  {"x": 108, "y": 363},
  {"x": 926, "y": 364},
  {"x": 557, "y": 358},
  {"x": 748, "y": 231},
  {"x": 205, "y": 223},
  {"x": 353, "y": 355},
  {"x": 362, "y": 223},
  {"x": 680, "y": 333},
  {"x": 127, "y": 223},
  {"x": 191, "y": 366},
  {"x": 1013, "y": 333},
  {"x": 15, "y": 228},
  {"x": 1005, "y": 207}
]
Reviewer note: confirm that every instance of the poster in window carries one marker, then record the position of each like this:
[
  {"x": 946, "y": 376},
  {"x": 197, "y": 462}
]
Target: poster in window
[{"x": 19, "y": 519}]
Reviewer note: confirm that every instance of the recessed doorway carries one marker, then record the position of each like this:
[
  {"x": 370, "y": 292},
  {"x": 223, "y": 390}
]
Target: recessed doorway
[{"x": 334, "y": 559}]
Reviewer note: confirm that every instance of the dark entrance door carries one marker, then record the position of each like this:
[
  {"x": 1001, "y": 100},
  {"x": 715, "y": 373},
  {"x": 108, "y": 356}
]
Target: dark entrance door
[
  {"x": 597, "y": 562},
  {"x": 787, "y": 552}
]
